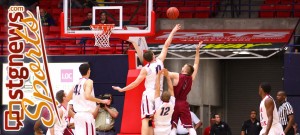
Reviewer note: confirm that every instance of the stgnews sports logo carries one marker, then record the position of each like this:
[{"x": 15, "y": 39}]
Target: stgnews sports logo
[{"x": 24, "y": 30}]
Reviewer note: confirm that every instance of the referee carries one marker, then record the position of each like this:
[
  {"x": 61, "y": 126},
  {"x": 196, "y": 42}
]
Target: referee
[{"x": 286, "y": 113}]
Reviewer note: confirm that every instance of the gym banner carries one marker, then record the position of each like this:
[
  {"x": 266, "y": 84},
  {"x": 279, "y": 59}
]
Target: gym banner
[
  {"x": 219, "y": 46},
  {"x": 223, "y": 36},
  {"x": 27, "y": 86}
]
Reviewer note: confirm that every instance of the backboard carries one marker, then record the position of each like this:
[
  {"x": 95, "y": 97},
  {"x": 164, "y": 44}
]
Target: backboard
[{"x": 122, "y": 13}]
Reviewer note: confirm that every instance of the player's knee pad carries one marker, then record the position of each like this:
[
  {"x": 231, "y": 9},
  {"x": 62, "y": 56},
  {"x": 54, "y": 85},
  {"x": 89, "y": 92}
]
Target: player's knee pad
[{"x": 150, "y": 123}]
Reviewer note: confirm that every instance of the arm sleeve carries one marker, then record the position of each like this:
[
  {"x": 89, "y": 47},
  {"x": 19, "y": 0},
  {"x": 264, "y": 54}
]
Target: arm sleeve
[
  {"x": 195, "y": 119},
  {"x": 114, "y": 109},
  {"x": 244, "y": 126},
  {"x": 289, "y": 109}
]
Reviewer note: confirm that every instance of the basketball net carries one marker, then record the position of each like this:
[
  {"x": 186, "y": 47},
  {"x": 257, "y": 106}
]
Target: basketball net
[{"x": 102, "y": 37}]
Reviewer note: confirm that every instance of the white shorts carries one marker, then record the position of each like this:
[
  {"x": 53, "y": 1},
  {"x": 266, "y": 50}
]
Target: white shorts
[
  {"x": 162, "y": 130},
  {"x": 147, "y": 105},
  {"x": 84, "y": 123},
  {"x": 276, "y": 129}
]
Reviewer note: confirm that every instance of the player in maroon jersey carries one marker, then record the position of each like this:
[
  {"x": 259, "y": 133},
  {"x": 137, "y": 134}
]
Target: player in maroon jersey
[{"x": 182, "y": 83}]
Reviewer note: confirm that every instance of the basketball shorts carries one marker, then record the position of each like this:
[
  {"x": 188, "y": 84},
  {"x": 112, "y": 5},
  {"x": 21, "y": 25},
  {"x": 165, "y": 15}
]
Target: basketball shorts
[
  {"x": 84, "y": 123},
  {"x": 147, "y": 105},
  {"x": 182, "y": 112},
  {"x": 276, "y": 129},
  {"x": 162, "y": 130}
]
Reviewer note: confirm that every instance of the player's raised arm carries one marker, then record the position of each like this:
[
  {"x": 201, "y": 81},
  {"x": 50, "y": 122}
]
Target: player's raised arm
[
  {"x": 197, "y": 59},
  {"x": 164, "y": 51},
  {"x": 169, "y": 81},
  {"x": 174, "y": 78},
  {"x": 157, "y": 84},
  {"x": 135, "y": 83}
]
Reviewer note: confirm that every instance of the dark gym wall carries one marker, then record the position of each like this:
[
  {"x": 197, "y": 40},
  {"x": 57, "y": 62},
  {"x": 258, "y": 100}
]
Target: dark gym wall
[{"x": 240, "y": 86}]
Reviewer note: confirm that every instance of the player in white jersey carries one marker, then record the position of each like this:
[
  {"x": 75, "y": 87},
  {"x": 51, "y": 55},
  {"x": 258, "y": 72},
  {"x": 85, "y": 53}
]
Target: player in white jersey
[
  {"x": 59, "y": 127},
  {"x": 149, "y": 72},
  {"x": 269, "y": 118},
  {"x": 84, "y": 103},
  {"x": 164, "y": 106}
]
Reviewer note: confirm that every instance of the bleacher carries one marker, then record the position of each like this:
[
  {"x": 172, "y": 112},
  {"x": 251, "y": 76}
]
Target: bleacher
[
  {"x": 188, "y": 8},
  {"x": 280, "y": 8}
]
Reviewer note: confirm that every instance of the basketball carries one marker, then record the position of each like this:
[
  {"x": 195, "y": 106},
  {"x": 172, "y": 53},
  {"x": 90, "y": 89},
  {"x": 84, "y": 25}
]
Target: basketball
[{"x": 172, "y": 13}]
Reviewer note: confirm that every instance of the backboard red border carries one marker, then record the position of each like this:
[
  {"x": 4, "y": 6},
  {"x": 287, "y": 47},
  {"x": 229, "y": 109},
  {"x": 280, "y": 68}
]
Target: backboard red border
[{"x": 113, "y": 35}]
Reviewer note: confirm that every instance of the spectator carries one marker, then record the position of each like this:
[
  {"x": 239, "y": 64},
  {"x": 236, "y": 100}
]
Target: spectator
[
  {"x": 196, "y": 124},
  {"x": 286, "y": 113},
  {"x": 207, "y": 129},
  {"x": 251, "y": 126},
  {"x": 46, "y": 18},
  {"x": 87, "y": 22},
  {"x": 220, "y": 127},
  {"x": 86, "y": 26},
  {"x": 103, "y": 18},
  {"x": 106, "y": 117}
]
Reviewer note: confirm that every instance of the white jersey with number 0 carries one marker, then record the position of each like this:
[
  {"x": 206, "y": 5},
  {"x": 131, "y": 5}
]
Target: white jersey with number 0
[
  {"x": 152, "y": 70},
  {"x": 80, "y": 104},
  {"x": 276, "y": 128}
]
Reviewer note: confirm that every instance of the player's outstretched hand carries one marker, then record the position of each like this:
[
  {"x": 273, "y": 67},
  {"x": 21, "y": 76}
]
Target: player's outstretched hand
[
  {"x": 160, "y": 72},
  {"x": 117, "y": 88},
  {"x": 176, "y": 28},
  {"x": 166, "y": 72},
  {"x": 199, "y": 45}
]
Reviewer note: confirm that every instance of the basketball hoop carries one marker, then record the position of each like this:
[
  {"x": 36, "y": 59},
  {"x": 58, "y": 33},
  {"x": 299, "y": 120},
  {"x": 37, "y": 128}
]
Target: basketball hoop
[{"x": 102, "y": 37}]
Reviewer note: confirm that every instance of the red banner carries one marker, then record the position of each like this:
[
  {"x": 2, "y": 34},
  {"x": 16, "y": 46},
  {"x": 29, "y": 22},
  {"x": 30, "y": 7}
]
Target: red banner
[{"x": 224, "y": 36}]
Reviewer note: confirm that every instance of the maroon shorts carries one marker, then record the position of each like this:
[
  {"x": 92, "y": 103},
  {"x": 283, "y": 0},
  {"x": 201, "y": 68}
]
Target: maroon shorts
[{"x": 182, "y": 112}]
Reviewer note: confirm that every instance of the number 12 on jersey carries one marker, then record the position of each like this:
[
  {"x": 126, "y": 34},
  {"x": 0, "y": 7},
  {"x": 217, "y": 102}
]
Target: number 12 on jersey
[{"x": 164, "y": 111}]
